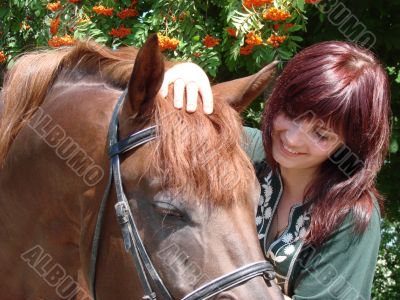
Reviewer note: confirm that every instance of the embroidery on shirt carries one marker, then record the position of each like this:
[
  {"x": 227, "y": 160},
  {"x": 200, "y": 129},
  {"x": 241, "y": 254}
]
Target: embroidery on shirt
[
  {"x": 264, "y": 206},
  {"x": 289, "y": 250},
  {"x": 284, "y": 247},
  {"x": 301, "y": 226}
]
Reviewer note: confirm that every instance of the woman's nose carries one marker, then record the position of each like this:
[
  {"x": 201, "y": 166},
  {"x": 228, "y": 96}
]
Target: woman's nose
[{"x": 294, "y": 135}]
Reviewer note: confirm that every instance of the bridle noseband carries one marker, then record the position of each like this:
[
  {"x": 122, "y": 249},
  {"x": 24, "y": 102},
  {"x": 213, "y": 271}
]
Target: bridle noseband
[{"x": 132, "y": 241}]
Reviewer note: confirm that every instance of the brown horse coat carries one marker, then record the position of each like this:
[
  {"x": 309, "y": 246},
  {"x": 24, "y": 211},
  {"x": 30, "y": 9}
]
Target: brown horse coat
[{"x": 56, "y": 110}]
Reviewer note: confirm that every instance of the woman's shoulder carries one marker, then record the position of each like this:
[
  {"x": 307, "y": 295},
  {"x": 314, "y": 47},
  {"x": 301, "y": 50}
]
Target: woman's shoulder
[
  {"x": 373, "y": 227},
  {"x": 347, "y": 258},
  {"x": 253, "y": 145}
]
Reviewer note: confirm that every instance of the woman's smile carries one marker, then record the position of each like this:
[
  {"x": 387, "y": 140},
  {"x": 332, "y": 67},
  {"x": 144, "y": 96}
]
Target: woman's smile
[{"x": 288, "y": 151}]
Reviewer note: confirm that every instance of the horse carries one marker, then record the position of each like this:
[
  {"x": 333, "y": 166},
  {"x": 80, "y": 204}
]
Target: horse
[{"x": 191, "y": 188}]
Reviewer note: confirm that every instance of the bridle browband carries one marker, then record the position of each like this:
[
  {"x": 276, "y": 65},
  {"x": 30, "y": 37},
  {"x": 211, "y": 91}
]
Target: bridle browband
[{"x": 132, "y": 241}]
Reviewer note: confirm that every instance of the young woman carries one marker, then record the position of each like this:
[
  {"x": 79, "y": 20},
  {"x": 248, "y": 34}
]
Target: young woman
[{"x": 324, "y": 137}]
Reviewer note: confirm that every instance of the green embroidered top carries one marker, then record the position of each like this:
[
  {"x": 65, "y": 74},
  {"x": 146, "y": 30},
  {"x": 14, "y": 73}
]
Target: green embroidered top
[{"x": 342, "y": 268}]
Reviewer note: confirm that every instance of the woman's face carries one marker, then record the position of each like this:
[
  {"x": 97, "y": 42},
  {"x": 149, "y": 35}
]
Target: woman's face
[{"x": 302, "y": 144}]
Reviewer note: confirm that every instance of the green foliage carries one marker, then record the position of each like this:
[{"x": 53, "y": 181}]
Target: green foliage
[
  {"x": 387, "y": 272},
  {"x": 26, "y": 25}
]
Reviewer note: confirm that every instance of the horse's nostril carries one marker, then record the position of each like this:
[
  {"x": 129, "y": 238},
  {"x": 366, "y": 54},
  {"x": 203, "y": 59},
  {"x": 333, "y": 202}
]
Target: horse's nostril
[{"x": 226, "y": 296}]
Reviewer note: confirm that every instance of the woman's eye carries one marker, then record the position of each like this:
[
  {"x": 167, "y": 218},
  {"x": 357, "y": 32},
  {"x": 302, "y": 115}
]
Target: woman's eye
[{"x": 321, "y": 135}]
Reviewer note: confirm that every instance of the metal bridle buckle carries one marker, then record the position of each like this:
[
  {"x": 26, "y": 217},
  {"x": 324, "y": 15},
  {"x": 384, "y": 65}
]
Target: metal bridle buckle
[
  {"x": 122, "y": 213},
  {"x": 269, "y": 275},
  {"x": 150, "y": 297}
]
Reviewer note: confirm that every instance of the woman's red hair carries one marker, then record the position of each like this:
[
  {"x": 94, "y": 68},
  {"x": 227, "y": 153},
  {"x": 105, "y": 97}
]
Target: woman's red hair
[{"x": 346, "y": 87}]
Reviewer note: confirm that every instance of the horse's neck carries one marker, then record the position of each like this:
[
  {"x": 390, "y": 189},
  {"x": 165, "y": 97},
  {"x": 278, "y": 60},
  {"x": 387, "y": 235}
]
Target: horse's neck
[
  {"x": 81, "y": 116},
  {"x": 50, "y": 187}
]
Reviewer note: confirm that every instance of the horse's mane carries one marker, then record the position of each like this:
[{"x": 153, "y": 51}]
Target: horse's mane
[
  {"x": 195, "y": 152},
  {"x": 33, "y": 74}
]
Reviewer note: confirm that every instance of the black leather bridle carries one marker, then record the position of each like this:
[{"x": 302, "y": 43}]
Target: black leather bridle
[{"x": 133, "y": 243}]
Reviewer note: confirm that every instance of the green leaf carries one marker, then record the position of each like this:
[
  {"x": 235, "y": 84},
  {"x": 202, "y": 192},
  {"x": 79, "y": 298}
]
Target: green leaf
[
  {"x": 391, "y": 70},
  {"x": 296, "y": 38},
  {"x": 284, "y": 54},
  {"x": 3, "y": 12},
  {"x": 245, "y": 22},
  {"x": 263, "y": 54},
  {"x": 201, "y": 28},
  {"x": 321, "y": 17},
  {"x": 394, "y": 146},
  {"x": 295, "y": 28},
  {"x": 300, "y": 4},
  {"x": 398, "y": 78}
]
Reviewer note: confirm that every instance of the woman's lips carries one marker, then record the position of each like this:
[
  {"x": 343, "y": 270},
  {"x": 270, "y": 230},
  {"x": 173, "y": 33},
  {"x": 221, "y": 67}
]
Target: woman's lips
[{"x": 287, "y": 151}]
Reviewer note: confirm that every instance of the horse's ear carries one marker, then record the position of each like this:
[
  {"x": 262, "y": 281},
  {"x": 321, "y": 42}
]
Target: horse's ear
[
  {"x": 239, "y": 93},
  {"x": 146, "y": 79}
]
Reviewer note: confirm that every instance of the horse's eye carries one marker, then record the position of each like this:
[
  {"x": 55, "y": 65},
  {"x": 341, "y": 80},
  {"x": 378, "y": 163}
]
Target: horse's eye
[{"x": 167, "y": 210}]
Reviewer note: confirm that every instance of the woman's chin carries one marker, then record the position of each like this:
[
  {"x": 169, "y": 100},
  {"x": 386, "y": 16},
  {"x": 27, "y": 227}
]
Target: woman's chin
[{"x": 293, "y": 163}]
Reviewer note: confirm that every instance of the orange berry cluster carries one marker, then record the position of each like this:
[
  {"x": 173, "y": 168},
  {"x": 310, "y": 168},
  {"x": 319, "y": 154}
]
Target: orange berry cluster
[
  {"x": 3, "y": 57},
  {"x": 246, "y": 50},
  {"x": 276, "y": 40},
  {"x": 57, "y": 41},
  {"x": 128, "y": 12},
  {"x": 312, "y": 1},
  {"x": 210, "y": 41},
  {"x": 255, "y": 3},
  {"x": 120, "y": 32},
  {"x": 54, "y": 6},
  {"x": 276, "y": 14},
  {"x": 253, "y": 39},
  {"x": 167, "y": 43},
  {"x": 101, "y": 10},
  {"x": 231, "y": 31},
  {"x": 54, "y": 24},
  {"x": 74, "y": 1}
]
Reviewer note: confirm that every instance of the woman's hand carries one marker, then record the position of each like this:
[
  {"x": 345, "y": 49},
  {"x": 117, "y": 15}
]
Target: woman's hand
[{"x": 195, "y": 80}]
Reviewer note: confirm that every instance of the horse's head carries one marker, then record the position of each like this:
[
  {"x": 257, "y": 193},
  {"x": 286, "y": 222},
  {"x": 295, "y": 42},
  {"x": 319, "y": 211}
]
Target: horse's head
[{"x": 192, "y": 190}]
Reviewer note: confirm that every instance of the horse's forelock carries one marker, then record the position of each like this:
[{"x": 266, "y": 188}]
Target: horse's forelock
[{"x": 201, "y": 156}]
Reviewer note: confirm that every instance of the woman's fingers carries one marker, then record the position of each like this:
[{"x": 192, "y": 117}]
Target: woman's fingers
[
  {"x": 164, "y": 88},
  {"x": 191, "y": 77},
  {"x": 192, "y": 92},
  {"x": 179, "y": 89},
  {"x": 207, "y": 97}
]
